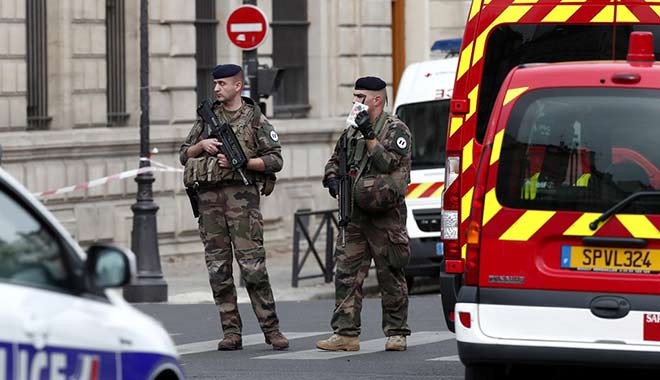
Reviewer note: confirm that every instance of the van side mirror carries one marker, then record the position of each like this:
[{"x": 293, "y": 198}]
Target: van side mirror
[{"x": 109, "y": 266}]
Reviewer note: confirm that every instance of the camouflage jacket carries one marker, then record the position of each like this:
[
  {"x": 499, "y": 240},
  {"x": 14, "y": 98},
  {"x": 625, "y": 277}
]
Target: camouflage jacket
[
  {"x": 255, "y": 134},
  {"x": 386, "y": 169}
]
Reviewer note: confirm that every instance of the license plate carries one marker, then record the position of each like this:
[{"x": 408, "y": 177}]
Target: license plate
[{"x": 603, "y": 259}]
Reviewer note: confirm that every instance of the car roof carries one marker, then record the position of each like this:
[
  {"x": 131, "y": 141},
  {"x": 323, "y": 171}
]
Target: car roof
[{"x": 580, "y": 74}]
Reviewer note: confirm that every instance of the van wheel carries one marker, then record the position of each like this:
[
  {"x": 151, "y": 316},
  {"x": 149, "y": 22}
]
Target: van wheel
[{"x": 484, "y": 372}]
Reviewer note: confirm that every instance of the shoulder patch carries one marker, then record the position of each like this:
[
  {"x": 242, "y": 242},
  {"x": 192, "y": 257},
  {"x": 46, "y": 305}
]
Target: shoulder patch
[
  {"x": 274, "y": 136},
  {"x": 401, "y": 142}
]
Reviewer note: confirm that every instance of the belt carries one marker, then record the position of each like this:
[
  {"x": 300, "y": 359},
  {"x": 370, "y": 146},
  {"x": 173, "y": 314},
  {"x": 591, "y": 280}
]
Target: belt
[{"x": 203, "y": 186}]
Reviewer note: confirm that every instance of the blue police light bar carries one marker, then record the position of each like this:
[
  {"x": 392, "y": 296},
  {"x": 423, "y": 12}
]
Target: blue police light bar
[{"x": 452, "y": 45}]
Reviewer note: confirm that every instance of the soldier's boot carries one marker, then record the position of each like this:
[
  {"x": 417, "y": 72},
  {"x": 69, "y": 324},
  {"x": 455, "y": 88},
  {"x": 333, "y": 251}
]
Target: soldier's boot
[
  {"x": 230, "y": 342},
  {"x": 277, "y": 339},
  {"x": 338, "y": 342},
  {"x": 396, "y": 343}
]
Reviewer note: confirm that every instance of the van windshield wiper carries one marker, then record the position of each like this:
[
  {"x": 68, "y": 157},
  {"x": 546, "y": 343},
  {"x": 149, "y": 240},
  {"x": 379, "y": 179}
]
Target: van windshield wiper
[{"x": 621, "y": 204}]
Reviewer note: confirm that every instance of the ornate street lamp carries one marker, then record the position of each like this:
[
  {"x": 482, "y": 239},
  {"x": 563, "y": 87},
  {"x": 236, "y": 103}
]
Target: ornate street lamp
[{"x": 150, "y": 285}]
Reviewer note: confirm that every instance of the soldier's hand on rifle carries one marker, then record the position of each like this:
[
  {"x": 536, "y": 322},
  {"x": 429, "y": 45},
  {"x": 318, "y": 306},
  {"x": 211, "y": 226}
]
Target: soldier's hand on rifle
[
  {"x": 332, "y": 184},
  {"x": 211, "y": 146},
  {"x": 364, "y": 125},
  {"x": 223, "y": 162}
]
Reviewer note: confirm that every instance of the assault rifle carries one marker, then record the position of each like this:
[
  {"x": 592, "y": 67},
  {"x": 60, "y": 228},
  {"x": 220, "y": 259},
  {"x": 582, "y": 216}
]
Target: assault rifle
[
  {"x": 231, "y": 148},
  {"x": 345, "y": 186}
]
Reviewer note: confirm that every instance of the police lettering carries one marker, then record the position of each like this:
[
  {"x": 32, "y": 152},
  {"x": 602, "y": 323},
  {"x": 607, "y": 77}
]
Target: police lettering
[{"x": 54, "y": 364}]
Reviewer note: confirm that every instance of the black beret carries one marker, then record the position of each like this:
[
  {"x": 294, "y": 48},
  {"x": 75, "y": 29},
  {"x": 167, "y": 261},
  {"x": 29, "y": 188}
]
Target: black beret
[
  {"x": 370, "y": 83},
  {"x": 224, "y": 71}
]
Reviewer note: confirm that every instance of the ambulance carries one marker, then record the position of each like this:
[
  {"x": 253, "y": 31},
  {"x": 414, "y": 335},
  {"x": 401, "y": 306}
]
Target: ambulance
[
  {"x": 422, "y": 102},
  {"x": 62, "y": 316},
  {"x": 500, "y": 35},
  {"x": 563, "y": 239}
]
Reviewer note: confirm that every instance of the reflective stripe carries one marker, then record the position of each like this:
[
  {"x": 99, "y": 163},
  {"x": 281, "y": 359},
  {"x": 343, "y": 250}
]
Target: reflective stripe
[
  {"x": 474, "y": 9},
  {"x": 466, "y": 204},
  {"x": 639, "y": 226},
  {"x": 561, "y": 13},
  {"x": 581, "y": 226},
  {"x": 527, "y": 225},
  {"x": 472, "y": 96},
  {"x": 513, "y": 93},
  {"x": 623, "y": 14},
  {"x": 467, "y": 155},
  {"x": 425, "y": 190},
  {"x": 456, "y": 123},
  {"x": 605, "y": 15},
  {"x": 497, "y": 147},
  {"x": 464, "y": 60},
  {"x": 491, "y": 207}
]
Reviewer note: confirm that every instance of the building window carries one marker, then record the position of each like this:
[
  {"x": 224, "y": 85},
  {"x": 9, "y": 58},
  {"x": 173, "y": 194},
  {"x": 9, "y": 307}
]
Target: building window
[
  {"x": 205, "y": 28},
  {"x": 290, "y": 28},
  {"x": 37, "y": 65},
  {"x": 116, "y": 62}
]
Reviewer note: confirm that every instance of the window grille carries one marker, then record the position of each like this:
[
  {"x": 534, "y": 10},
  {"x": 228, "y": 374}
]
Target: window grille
[
  {"x": 37, "y": 65},
  {"x": 116, "y": 62},
  {"x": 290, "y": 29},
  {"x": 205, "y": 29}
]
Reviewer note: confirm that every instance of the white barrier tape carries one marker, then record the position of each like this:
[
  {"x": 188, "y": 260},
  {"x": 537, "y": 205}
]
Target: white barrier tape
[{"x": 158, "y": 167}]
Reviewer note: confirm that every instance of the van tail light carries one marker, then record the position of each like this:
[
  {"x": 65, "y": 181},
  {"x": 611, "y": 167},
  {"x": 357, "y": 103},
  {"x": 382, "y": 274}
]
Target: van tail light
[
  {"x": 450, "y": 214},
  {"x": 476, "y": 218},
  {"x": 465, "y": 318}
]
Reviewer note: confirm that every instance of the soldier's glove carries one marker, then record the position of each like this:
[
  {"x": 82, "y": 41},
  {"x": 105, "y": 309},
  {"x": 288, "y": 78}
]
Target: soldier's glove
[
  {"x": 332, "y": 184},
  {"x": 364, "y": 125}
]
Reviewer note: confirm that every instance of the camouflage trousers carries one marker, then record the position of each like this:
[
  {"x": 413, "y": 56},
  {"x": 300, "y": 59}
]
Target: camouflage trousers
[
  {"x": 369, "y": 238},
  {"x": 230, "y": 216}
]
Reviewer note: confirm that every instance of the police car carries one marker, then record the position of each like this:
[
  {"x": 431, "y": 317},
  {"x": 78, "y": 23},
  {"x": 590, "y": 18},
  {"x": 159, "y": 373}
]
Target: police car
[
  {"x": 563, "y": 239},
  {"x": 59, "y": 318}
]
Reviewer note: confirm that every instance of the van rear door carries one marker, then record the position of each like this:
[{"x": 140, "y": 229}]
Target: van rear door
[{"x": 560, "y": 157}]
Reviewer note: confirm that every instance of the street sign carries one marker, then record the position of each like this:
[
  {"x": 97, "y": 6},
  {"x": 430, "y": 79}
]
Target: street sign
[{"x": 247, "y": 27}]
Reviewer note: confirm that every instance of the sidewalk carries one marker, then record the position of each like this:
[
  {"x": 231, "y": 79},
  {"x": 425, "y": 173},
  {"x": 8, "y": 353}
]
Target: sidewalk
[{"x": 187, "y": 279}]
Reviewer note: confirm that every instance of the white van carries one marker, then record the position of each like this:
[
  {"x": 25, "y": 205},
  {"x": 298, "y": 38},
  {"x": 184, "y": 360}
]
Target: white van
[
  {"x": 61, "y": 317},
  {"x": 422, "y": 102}
]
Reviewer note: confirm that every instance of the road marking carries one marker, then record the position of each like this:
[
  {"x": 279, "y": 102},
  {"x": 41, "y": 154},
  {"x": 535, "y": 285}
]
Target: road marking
[
  {"x": 366, "y": 347},
  {"x": 452, "y": 358},
  {"x": 248, "y": 340}
]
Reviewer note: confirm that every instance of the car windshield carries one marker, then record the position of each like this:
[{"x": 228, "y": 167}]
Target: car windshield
[
  {"x": 581, "y": 149},
  {"x": 428, "y": 124},
  {"x": 29, "y": 254}
]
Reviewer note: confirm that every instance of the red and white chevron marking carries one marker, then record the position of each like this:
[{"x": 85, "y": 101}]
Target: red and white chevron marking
[{"x": 157, "y": 167}]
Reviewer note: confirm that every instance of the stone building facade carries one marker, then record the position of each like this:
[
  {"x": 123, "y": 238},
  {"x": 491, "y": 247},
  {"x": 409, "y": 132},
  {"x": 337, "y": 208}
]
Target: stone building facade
[{"x": 70, "y": 106}]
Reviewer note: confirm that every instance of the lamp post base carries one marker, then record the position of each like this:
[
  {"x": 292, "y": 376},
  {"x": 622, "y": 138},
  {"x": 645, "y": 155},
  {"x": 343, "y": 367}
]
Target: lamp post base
[{"x": 147, "y": 289}]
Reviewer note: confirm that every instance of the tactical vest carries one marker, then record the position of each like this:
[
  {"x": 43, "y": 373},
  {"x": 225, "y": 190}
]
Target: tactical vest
[
  {"x": 204, "y": 170},
  {"x": 374, "y": 191}
]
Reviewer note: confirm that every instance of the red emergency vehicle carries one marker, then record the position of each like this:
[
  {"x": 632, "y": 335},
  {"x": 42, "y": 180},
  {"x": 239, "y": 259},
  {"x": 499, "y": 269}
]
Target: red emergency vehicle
[
  {"x": 500, "y": 35},
  {"x": 563, "y": 240}
]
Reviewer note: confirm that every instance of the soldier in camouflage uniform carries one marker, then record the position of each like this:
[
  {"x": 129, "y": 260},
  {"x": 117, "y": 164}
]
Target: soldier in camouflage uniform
[
  {"x": 229, "y": 210},
  {"x": 379, "y": 165}
]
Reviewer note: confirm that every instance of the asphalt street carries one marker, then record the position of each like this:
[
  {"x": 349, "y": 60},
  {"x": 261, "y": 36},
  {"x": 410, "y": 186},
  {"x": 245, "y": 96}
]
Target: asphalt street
[{"x": 194, "y": 328}]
